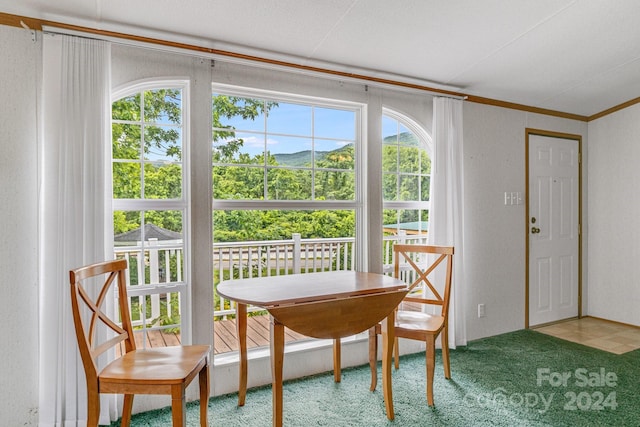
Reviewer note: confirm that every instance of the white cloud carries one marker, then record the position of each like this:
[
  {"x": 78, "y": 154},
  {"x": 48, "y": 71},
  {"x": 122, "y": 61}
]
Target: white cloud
[{"x": 253, "y": 142}]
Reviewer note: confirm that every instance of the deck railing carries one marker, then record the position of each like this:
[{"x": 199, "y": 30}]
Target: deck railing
[
  {"x": 239, "y": 260},
  {"x": 155, "y": 280},
  {"x": 162, "y": 266}
]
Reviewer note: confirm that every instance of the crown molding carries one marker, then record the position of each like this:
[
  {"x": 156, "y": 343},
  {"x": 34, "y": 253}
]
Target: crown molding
[{"x": 38, "y": 24}]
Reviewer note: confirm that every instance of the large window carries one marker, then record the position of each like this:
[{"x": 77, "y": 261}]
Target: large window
[
  {"x": 285, "y": 187},
  {"x": 283, "y": 165},
  {"x": 149, "y": 204},
  {"x": 282, "y": 150},
  {"x": 406, "y": 170},
  {"x": 288, "y": 179}
]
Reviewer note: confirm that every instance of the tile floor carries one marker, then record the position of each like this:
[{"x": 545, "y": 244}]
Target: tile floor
[{"x": 609, "y": 336}]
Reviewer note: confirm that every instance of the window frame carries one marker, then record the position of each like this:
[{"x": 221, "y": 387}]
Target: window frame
[
  {"x": 426, "y": 144},
  {"x": 182, "y": 204},
  {"x": 357, "y": 204}
]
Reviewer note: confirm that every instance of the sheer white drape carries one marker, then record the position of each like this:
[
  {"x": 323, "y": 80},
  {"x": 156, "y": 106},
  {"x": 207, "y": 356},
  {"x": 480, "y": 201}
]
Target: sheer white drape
[
  {"x": 74, "y": 213},
  {"x": 446, "y": 211}
]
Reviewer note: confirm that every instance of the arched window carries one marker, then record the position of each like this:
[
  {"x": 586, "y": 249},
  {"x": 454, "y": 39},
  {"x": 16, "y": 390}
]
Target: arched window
[
  {"x": 150, "y": 204},
  {"x": 406, "y": 174}
]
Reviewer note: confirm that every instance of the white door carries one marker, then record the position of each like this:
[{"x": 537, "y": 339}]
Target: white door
[{"x": 554, "y": 229}]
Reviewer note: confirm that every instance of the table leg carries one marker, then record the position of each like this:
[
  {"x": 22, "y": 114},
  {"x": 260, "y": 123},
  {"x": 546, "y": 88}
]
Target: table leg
[
  {"x": 241, "y": 325},
  {"x": 388, "y": 338},
  {"x": 277, "y": 360},
  {"x": 337, "y": 364}
]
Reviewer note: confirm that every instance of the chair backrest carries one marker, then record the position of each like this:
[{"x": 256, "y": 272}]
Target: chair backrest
[
  {"x": 429, "y": 264},
  {"x": 95, "y": 330}
]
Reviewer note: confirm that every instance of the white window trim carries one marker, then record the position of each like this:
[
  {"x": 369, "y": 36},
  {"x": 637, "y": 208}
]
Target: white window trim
[
  {"x": 184, "y": 203},
  {"x": 427, "y": 144},
  {"x": 413, "y": 126},
  {"x": 357, "y": 204}
]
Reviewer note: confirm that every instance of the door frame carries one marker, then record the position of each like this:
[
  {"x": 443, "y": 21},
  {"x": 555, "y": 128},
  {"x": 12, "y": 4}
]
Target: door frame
[{"x": 561, "y": 135}]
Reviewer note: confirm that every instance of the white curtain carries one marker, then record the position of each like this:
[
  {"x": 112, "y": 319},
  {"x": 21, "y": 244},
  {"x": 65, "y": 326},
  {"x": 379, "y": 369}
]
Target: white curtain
[
  {"x": 74, "y": 212},
  {"x": 446, "y": 211}
]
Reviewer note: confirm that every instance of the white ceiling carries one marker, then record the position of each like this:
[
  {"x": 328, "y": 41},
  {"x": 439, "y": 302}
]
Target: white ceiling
[{"x": 574, "y": 56}]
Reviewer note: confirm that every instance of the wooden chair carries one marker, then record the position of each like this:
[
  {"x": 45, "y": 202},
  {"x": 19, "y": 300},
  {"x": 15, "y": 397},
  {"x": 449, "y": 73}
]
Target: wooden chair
[
  {"x": 167, "y": 370},
  {"x": 417, "y": 324}
]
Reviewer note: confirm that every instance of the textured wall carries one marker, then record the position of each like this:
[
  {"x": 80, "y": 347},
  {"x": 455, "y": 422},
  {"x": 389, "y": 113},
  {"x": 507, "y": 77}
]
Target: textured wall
[
  {"x": 614, "y": 209},
  {"x": 495, "y": 239},
  {"x": 18, "y": 218}
]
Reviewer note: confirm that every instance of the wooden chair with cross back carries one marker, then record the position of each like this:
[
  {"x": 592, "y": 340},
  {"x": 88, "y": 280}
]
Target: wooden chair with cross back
[
  {"x": 164, "y": 370},
  {"x": 431, "y": 267}
]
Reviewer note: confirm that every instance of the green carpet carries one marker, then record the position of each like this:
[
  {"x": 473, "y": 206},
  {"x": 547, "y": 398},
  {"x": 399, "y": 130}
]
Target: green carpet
[{"x": 522, "y": 378}]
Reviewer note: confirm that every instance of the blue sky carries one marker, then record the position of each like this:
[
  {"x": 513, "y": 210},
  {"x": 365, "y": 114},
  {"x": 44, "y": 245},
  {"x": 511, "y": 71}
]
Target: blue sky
[
  {"x": 391, "y": 127},
  {"x": 290, "y": 128}
]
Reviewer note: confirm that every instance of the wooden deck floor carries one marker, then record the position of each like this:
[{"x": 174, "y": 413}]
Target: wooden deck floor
[{"x": 224, "y": 335}]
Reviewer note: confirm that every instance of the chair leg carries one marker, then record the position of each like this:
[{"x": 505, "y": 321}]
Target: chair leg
[
  {"x": 93, "y": 409},
  {"x": 127, "y": 407},
  {"x": 445, "y": 354},
  {"x": 204, "y": 395},
  {"x": 431, "y": 364},
  {"x": 373, "y": 356},
  {"x": 396, "y": 353},
  {"x": 178, "y": 406}
]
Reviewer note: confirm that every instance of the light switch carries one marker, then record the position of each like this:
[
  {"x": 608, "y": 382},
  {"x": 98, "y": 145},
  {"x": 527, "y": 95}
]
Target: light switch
[
  {"x": 513, "y": 198},
  {"x": 518, "y": 199},
  {"x": 481, "y": 310}
]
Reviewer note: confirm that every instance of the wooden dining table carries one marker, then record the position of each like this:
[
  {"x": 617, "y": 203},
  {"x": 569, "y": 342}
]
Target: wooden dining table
[{"x": 326, "y": 305}]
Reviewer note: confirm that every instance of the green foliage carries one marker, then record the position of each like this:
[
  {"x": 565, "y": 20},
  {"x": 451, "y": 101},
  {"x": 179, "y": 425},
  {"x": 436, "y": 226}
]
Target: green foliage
[
  {"x": 406, "y": 169},
  {"x": 125, "y": 221},
  {"x": 225, "y": 144},
  {"x": 145, "y": 132},
  {"x": 126, "y": 180},
  {"x": 289, "y": 176},
  {"x": 162, "y": 107},
  {"x": 169, "y": 315},
  {"x": 341, "y": 158},
  {"x": 241, "y": 225}
]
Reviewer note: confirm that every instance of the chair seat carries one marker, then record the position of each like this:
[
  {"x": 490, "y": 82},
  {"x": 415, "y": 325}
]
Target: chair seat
[
  {"x": 164, "y": 365},
  {"x": 419, "y": 322}
]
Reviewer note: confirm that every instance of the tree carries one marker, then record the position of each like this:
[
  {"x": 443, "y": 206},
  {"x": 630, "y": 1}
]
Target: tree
[
  {"x": 338, "y": 181},
  {"x": 146, "y": 142},
  {"x": 225, "y": 144},
  {"x": 146, "y": 126},
  {"x": 146, "y": 131},
  {"x": 151, "y": 107}
]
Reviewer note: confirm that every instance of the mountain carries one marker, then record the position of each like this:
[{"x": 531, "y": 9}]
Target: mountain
[
  {"x": 406, "y": 138},
  {"x": 301, "y": 158}
]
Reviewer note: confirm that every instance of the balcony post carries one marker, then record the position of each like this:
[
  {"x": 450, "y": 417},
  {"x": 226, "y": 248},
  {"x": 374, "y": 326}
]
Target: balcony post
[
  {"x": 154, "y": 275},
  {"x": 297, "y": 252}
]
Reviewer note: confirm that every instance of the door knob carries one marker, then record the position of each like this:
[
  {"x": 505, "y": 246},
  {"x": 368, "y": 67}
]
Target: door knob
[{"x": 535, "y": 230}]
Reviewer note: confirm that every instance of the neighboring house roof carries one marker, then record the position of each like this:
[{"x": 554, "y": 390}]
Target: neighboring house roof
[
  {"x": 415, "y": 227},
  {"x": 151, "y": 231}
]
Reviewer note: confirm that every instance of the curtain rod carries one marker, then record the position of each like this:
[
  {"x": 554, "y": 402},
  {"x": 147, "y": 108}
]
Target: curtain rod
[
  {"x": 280, "y": 62},
  {"x": 37, "y": 24}
]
